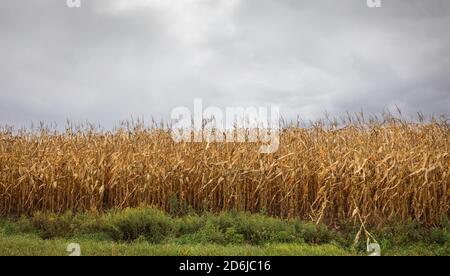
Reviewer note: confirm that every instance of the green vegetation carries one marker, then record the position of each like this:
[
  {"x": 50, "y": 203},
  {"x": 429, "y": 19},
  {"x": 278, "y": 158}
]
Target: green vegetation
[
  {"x": 148, "y": 231},
  {"x": 34, "y": 246}
]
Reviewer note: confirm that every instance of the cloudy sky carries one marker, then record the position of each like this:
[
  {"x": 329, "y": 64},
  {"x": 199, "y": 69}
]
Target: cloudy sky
[{"x": 112, "y": 59}]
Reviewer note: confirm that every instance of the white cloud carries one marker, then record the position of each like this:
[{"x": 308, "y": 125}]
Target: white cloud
[{"x": 111, "y": 59}]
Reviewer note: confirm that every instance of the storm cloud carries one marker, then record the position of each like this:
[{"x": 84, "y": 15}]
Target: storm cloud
[{"x": 112, "y": 59}]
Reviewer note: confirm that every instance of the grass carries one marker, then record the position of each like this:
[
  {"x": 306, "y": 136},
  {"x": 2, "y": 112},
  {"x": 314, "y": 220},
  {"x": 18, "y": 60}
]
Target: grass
[
  {"x": 33, "y": 245},
  {"x": 150, "y": 231}
]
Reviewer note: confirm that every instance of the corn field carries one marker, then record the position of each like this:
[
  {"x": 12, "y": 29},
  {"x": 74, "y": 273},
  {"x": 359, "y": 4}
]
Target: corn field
[{"x": 394, "y": 171}]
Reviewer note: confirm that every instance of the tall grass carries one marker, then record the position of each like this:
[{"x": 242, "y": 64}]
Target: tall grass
[{"x": 379, "y": 171}]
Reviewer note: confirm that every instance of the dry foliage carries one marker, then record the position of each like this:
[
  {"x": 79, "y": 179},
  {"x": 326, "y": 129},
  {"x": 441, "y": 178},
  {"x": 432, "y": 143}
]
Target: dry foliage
[{"x": 390, "y": 171}]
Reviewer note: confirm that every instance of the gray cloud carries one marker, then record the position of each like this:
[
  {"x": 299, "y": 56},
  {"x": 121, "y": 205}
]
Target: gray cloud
[{"x": 111, "y": 59}]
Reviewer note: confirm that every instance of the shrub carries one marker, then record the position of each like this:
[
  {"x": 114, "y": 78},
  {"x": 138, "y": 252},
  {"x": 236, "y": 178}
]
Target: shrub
[{"x": 130, "y": 224}]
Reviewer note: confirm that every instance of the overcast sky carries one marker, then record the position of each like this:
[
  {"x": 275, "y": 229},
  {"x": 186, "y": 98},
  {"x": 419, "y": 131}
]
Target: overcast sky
[{"x": 112, "y": 59}]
